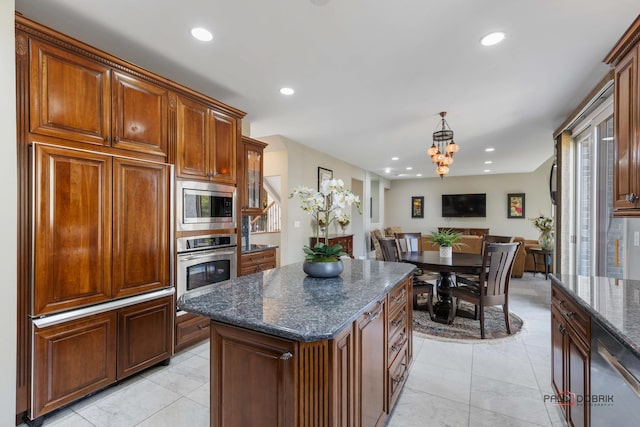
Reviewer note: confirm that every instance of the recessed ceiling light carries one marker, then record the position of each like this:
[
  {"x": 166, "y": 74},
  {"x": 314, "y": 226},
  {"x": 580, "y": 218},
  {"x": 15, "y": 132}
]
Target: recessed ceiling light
[
  {"x": 487, "y": 170},
  {"x": 409, "y": 168},
  {"x": 387, "y": 170},
  {"x": 202, "y": 34},
  {"x": 400, "y": 174},
  {"x": 320, "y": 2},
  {"x": 488, "y": 150},
  {"x": 287, "y": 91},
  {"x": 418, "y": 174},
  {"x": 492, "y": 38},
  {"x": 395, "y": 158},
  {"x": 488, "y": 162}
]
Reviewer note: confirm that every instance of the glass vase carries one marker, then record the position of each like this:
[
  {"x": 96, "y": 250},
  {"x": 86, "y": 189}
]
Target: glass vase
[{"x": 546, "y": 240}]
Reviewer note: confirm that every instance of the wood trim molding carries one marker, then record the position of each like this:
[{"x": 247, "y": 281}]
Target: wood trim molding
[
  {"x": 628, "y": 40},
  {"x": 313, "y": 386}
]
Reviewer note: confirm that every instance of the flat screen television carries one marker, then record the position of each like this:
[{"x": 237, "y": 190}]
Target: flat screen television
[{"x": 464, "y": 205}]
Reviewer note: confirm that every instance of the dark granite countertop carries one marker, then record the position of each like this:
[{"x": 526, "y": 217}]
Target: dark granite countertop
[
  {"x": 257, "y": 248},
  {"x": 612, "y": 303},
  {"x": 285, "y": 302}
]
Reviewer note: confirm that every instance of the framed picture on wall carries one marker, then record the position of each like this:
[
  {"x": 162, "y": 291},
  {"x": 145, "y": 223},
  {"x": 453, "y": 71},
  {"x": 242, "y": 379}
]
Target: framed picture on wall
[
  {"x": 324, "y": 174},
  {"x": 417, "y": 207},
  {"x": 515, "y": 205}
]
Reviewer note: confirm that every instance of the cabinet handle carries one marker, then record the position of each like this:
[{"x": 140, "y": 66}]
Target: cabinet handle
[
  {"x": 116, "y": 139},
  {"x": 286, "y": 356},
  {"x": 398, "y": 380},
  {"x": 375, "y": 314},
  {"x": 569, "y": 314},
  {"x": 400, "y": 321},
  {"x": 562, "y": 330},
  {"x": 631, "y": 197},
  {"x": 201, "y": 327},
  {"x": 400, "y": 298},
  {"x": 398, "y": 346}
]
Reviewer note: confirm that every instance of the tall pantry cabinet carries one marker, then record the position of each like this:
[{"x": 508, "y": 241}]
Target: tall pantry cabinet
[{"x": 97, "y": 140}]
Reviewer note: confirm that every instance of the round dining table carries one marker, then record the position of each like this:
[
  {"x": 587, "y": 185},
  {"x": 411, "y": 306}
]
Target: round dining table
[{"x": 460, "y": 263}]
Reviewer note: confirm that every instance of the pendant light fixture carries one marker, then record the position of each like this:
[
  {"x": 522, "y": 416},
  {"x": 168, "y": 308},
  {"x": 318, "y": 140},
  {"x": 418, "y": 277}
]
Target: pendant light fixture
[{"x": 443, "y": 148}]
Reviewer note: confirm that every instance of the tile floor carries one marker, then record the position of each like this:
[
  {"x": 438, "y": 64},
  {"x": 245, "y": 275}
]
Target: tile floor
[{"x": 451, "y": 384}]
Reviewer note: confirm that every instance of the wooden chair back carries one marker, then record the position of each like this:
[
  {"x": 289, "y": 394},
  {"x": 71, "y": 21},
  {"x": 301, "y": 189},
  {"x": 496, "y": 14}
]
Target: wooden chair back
[
  {"x": 497, "y": 261},
  {"x": 409, "y": 242},
  {"x": 389, "y": 250},
  {"x": 491, "y": 238}
]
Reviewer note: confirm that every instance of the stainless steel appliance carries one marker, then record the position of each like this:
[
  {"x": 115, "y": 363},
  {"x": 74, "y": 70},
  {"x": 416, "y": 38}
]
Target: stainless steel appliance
[
  {"x": 615, "y": 381},
  {"x": 204, "y": 260},
  {"x": 205, "y": 206}
]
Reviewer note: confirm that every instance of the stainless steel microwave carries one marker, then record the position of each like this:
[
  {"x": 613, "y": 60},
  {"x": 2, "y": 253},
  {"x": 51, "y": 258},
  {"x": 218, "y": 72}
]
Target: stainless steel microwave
[{"x": 205, "y": 206}]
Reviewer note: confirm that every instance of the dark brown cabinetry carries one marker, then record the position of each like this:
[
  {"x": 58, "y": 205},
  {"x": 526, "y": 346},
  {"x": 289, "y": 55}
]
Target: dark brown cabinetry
[
  {"x": 254, "y": 262},
  {"x": 251, "y": 185},
  {"x": 252, "y": 378},
  {"x": 206, "y": 142},
  {"x": 570, "y": 357},
  {"x": 76, "y": 98},
  {"x": 92, "y": 243},
  {"x": 189, "y": 330},
  {"x": 626, "y": 185},
  {"x": 346, "y": 240}
]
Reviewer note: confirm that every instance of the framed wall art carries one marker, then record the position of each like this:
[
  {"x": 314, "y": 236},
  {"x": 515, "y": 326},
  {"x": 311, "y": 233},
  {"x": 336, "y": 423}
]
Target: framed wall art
[
  {"x": 324, "y": 174},
  {"x": 417, "y": 207},
  {"x": 515, "y": 205}
]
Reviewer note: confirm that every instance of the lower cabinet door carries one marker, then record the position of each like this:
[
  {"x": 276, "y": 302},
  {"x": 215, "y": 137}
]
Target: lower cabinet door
[
  {"x": 578, "y": 373},
  {"x": 252, "y": 378},
  {"x": 144, "y": 335},
  {"x": 71, "y": 360}
]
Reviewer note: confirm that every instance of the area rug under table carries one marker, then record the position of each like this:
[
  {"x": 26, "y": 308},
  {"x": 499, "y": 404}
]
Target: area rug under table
[{"x": 466, "y": 329}]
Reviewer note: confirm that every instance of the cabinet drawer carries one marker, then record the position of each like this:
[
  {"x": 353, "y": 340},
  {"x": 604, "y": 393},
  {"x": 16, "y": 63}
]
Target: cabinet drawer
[
  {"x": 397, "y": 321},
  {"x": 572, "y": 313},
  {"x": 190, "y": 329},
  {"x": 396, "y": 344},
  {"x": 261, "y": 257},
  {"x": 398, "y": 373},
  {"x": 398, "y": 299}
]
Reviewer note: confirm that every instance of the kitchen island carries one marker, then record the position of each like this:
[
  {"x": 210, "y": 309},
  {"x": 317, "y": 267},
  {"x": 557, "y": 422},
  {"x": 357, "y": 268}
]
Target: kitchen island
[
  {"x": 595, "y": 349},
  {"x": 288, "y": 349}
]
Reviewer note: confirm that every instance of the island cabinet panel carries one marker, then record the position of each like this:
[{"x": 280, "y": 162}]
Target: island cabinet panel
[
  {"x": 371, "y": 365},
  {"x": 141, "y": 227},
  {"x": 570, "y": 357},
  {"x": 70, "y": 95},
  {"x": 144, "y": 335},
  {"x": 252, "y": 378},
  {"x": 343, "y": 379},
  {"x": 72, "y": 229},
  {"x": 72, "y": 360},
  {"x": 206, "y": 142}
]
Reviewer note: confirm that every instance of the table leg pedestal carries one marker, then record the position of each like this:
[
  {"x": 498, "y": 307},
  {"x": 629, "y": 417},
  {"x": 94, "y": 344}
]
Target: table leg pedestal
[{"x": 442, "y": 308}]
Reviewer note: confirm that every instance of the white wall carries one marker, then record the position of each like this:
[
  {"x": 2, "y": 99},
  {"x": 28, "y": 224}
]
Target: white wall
[
  {"x": 535, "y": 185},
  {"x": 8, "y": 177}
]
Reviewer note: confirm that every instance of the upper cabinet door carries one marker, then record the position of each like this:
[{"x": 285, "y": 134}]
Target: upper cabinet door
[
  {"x": 223, "y": 147},
  {"x": 251, "y": 184},
  {"x": 139, "y": 115},
  {"x": 72, "y": 230},
  {"x": 140, "y": 227},
  {"x": 192, "y": 142},
  {"x": 626, "y": 104},
  {"x": 69, "y": 95}
]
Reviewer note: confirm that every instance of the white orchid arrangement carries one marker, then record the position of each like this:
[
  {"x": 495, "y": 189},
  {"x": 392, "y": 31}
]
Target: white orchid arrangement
[
  {"x": 327, "y": 205},
  {"x": 344, "y": 219}
]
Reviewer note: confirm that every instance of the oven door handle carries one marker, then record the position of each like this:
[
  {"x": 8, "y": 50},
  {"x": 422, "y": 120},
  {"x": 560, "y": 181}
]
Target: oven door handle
[{"x": 205, "y": 255}]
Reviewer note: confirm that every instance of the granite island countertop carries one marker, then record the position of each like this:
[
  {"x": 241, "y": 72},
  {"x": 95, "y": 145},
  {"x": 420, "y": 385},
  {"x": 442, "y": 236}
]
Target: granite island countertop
[
  {"x": 612, "y": 303},
  {"x": 287, "y": 303}
]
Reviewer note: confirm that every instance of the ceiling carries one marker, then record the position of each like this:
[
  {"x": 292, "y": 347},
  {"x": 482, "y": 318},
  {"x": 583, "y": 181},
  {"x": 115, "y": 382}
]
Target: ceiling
[{"x": 371, "y": 76}]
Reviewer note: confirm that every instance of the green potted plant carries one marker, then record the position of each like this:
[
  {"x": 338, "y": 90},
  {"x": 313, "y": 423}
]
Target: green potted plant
[
  {"x": 446, "y": 239},
  {"x": 326, "y": 207}
]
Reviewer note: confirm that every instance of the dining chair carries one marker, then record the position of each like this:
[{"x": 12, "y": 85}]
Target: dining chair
[
  {"x": 486, "y": 239},
  {"x": 390, "y": 253},
  {"x": 492, "y": 288},
  {"x": 412, "y": 242}
]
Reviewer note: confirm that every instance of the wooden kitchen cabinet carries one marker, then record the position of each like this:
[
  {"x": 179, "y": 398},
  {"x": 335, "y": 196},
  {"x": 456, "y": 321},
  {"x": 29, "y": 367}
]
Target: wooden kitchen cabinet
[
  {"x": 570, "y": 357},
  {"x": 190, "y": 329},
  {"x": 72, "y": 229},
  {"x": 346, "y": 240},
  {"x": 371, "y": 365},
  {"x": 76, "y": 98},
  {"x": 144, "y": 335},
  {"x": 206, "y": 142},
  {"x": 101, "y": 228},
  {"x": 626, "y": 184},
  {"x": 72, "y": 360},
  {"x": 254, "y": 262},
  {"x": 252, "y": 187},
  {"x": 140, "y": 227},
  {"x": 252, "y": 378}
]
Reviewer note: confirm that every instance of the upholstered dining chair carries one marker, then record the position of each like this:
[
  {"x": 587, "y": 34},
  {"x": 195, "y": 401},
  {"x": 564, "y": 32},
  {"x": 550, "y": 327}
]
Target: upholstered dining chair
[
  {"x": 492, "y": 287},
  {"x": 390, "y": 253}
]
